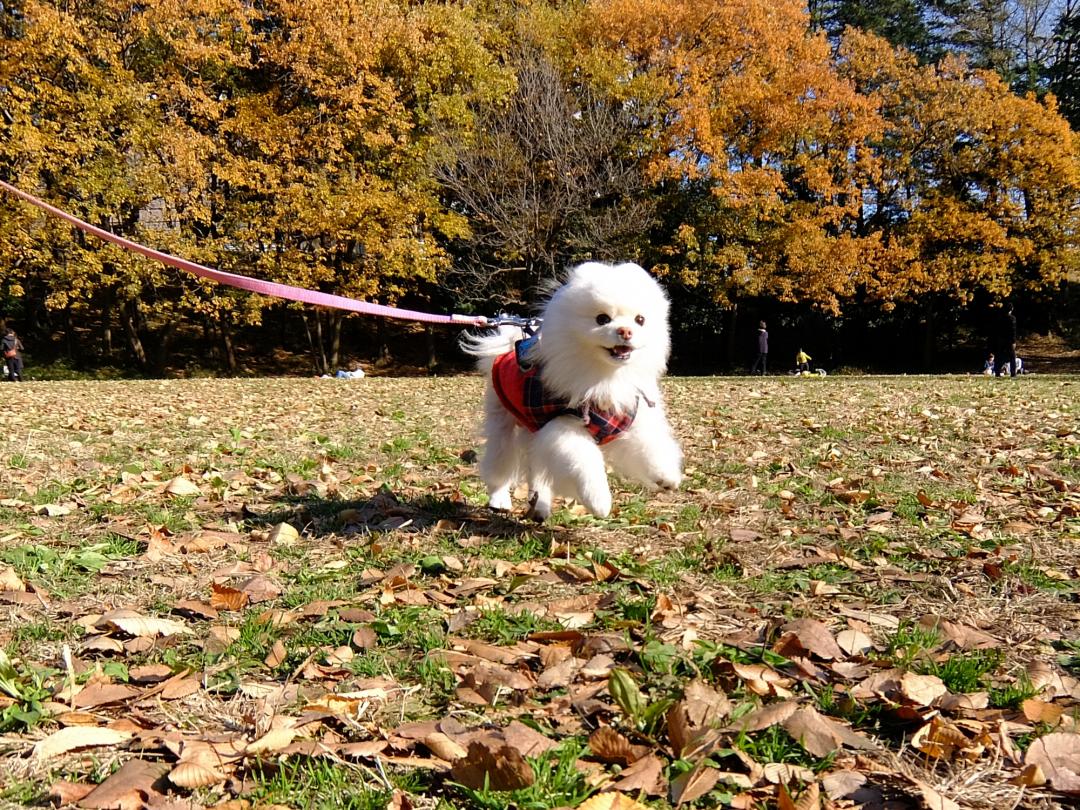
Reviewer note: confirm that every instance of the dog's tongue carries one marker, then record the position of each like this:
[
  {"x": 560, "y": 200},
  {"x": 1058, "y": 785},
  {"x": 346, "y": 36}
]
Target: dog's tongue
[{"x": 621, "y": 352}]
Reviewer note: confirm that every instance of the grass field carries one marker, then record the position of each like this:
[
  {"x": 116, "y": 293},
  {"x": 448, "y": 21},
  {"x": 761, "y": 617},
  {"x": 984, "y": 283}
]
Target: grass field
[{"x": 249, "y": 593}]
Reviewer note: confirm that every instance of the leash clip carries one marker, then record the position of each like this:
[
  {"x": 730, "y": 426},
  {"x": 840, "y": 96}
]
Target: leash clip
[{"x": 527, "y": 325}]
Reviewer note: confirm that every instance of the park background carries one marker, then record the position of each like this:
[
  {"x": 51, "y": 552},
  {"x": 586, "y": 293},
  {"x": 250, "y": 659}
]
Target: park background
[{"x": 875, "y": 179}]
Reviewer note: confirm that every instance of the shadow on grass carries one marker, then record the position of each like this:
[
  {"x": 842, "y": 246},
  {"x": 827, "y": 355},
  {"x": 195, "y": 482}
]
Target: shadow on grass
[{"x": 386, "y": 512}]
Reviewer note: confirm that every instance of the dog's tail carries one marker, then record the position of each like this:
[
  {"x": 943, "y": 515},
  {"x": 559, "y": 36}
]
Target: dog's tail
[{"x": 488, "y": 345}]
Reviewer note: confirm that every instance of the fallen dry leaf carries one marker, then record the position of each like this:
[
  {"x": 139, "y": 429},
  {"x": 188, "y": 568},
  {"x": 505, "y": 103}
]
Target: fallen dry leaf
[
  {"x": 608, "y": 745},
  {"x": 693, "y": 784},
  {"x": 498, "y": 767},
  {"x": 75, "y": 737},
  {"x": 611, "y": 801},
  {"x": 1058, "y": 756},
  {"x": 645, "y": 775},
  {"x": 133, "y": 787}
]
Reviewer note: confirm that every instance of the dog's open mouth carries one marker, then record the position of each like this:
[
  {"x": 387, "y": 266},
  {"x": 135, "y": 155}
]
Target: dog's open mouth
[{"x": 621, "y": 352}]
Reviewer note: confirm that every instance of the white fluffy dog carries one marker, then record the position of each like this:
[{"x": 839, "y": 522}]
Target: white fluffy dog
[{"x": 582, "y": 394}]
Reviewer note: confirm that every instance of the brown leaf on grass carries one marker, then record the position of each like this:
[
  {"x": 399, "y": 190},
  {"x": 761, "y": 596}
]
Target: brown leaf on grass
[
  {"x": 179, "y": 687},
  {"x": 1030, "y": 776},
  {"x": 766, "y": 716},
  {"x": 1058, "y": 755},
  {"x": 740, "y": 535},
  {"x": 810, "y": 799},
  {"x": 921, "y": 690},
  {"x": 277, "y": 654},
  {"x": 498, "y": 766},
  {"x": 181, "y": 487},
  {"x": 815, "y": 637},
  {"x": 528, "y": 741},
  {"x": 187, "y": 774},
  {"x": 940, "y": 739},
  {"x": 645, "y": 775},
  {"x": 1051, "y": 683},
  {"x": 704, "y": 705},
  {"x": 76, "y": 719},
  {"x": 691, "y": 721},
  {"x": 225, "y": 597},
  {"x": 1039, "y": 711},
  {"x": 821, "y": 735},
  {"x": 853, "y": 642},
  {"x": 364, "y": 638},
  {"x": 443, "y": 747},
  {"x": 763, "y": 680},
  {"x": 100, "y": 694},
  {"x": 75, "y": 737},
  {"x": 842, "y": 784},
  {"x": 933, "y": 799},
  {"x": 135, "y": 624},
  {"x": 608, "y": 745},
  {"x": 611, "y": 801},
  {"x": 963, "y": 636},
  {"x": 274, "y": 740},
  {"x": 219, "y": 638},
  {"x": 693, "y": 784},
  {"x": 133, "y": 787},
  {"x": 260, "y": 588},
  {"x": 559, "y": 675},
  {"x": 784, "y": 773},
  {"x": 9, "y": 580},
  {"x": 68, "y": 792},
  {"x": 150, "y": 673}
]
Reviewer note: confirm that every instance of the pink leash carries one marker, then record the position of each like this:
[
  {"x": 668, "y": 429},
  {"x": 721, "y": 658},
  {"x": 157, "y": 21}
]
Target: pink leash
[{"x": 254, "y": 285}]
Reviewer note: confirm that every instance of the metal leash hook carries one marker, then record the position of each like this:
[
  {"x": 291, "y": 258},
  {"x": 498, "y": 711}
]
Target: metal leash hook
[{"x": 527, "y": 325}]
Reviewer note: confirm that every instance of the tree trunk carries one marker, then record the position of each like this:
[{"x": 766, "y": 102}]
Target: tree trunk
[
  {"x": 129, "y": 318},
  {"x": 164, "y": 347},
  {"x": 313, "y": 329},
  {"x": 928, "y": 328},
  {"x": 70, "y": 344},
  {"x": 337, "y": 319},
  {"x": 106, "y": 323},
  {"x": 228, "y": 349},
  {"x": 731, "y": 344},
  {"x": 432, "y": 354}
]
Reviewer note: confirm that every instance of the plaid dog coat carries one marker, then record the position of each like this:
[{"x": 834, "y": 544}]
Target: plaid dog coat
[{"x": 522, "y": 392}]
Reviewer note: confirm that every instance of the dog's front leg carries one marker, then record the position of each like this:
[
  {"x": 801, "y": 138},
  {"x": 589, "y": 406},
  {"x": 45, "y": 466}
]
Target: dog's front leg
[
  {"x": 648, "y": 452},
  {"x": 500, "y": 463},
  {"x": 566, "y": 460}
]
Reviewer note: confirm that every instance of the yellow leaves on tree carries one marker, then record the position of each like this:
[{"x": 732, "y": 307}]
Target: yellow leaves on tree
[
  {"x": 756, "y": 112},
  {"x": 975, "y": 186}
]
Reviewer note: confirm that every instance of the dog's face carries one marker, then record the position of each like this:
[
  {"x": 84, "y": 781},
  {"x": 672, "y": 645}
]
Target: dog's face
[{"x": 611, "y": 315}]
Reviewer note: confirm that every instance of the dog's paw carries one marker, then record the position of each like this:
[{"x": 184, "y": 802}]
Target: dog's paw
[
  {"x": 669, "y": 483},
  {"x": 598, "y": 503},
  {"x": 539, "y": 510},
  {"x": 500, "y": 502}
]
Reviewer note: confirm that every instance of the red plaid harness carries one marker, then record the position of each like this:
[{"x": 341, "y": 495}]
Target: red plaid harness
[{"x": 522, "y": 393}]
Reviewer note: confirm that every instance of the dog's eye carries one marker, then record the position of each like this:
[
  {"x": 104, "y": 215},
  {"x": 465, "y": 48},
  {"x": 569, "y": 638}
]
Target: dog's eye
[
  {"x": 602, "y": 319},
  {"x": 640, "y": 320}
]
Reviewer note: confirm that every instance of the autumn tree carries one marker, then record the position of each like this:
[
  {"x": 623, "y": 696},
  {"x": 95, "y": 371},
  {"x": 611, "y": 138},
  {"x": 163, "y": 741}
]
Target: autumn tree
[
  {"x": 287, "y": 139},
  {"x": 977, "y": 188},
  {"x": 759, "y": 135},
  {"x": 545, "y": 177}
]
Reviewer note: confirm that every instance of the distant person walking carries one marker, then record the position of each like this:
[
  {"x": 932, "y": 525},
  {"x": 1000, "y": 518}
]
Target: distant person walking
[
  {"x": 1006, "y": 359},
  {"x": 762, "y": 358},
  {"x": 12, "y": 348}
]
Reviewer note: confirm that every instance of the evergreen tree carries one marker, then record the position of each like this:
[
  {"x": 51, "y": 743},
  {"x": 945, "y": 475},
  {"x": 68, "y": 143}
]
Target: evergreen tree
[{"x": 1063, "y": 74}]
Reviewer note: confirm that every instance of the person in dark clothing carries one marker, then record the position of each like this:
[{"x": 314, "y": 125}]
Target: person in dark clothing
[
  {"x": 1006, "y": 356},
  {"x": 762, "y": 358},
  {"x": 11, "y": 348}
]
